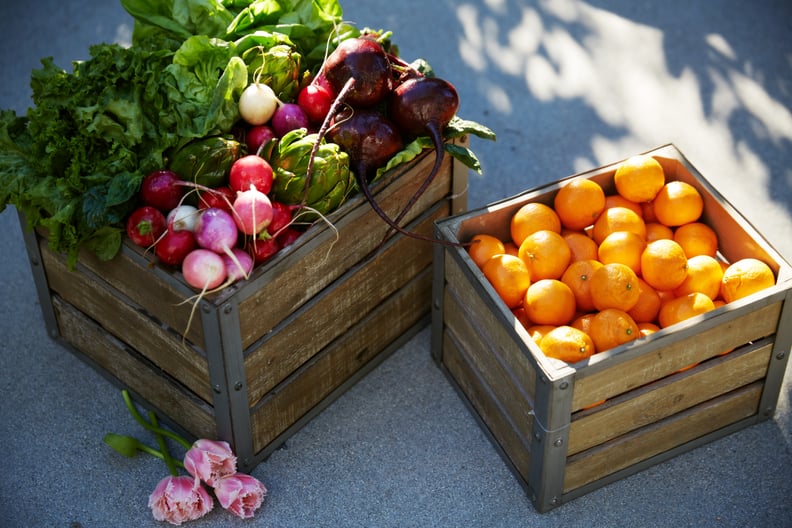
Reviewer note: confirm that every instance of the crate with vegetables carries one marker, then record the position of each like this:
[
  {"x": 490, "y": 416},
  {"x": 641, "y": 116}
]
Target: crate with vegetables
[
  {"x": 585, "y": 365},
  {"x": 232, "y": 217}
]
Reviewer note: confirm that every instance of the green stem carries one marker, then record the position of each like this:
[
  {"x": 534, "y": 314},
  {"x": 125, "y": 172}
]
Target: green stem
[
  {"x": 158, "y": 454},
  {"x": 166, "y": 456},
  {"x": 149, "y": 427}
]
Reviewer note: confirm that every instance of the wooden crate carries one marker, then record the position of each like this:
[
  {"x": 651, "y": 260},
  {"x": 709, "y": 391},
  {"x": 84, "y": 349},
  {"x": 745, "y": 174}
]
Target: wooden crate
[
  {"x": 262, "y": 357},
  {"x": 537, "y": 411}
]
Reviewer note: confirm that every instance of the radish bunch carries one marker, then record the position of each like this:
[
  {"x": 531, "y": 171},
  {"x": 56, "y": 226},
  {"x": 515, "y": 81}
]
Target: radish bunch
[{"x": 219, "y": 241}]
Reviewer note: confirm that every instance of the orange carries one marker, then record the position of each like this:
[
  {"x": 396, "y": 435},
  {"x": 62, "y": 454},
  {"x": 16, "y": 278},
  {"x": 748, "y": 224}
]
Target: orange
[
  {"x": 509, "y": 276},
  {"x": 639, "y": 178},
  {"x": 624, "y": 247},
  {"x": 745, "y": 277},
  {"x": 578, "y": 277},
  {"x": 618, "y": 219},
  {"x": 581, "y": 245},
  {"x": 583, "y": 322},
  {"x": 704, "y": 275},
  {"x": 681, "y": 308},
  {"x": 612, "y": 327},
  {"x": 678, "y": 203},
  {"x": 614, "y": 286},
  {"x": 567, "y": 344},
  {"x": 657, "y": 231},
  {"x": 647, "y": 328},
  {"x": 647, "y": 212},
  {"x": 510, "y": 248},
  {"x": 549, "y": 302},
  {"x": 579, "y": 202},
  {"x": 663, "y": 264},
  {"x": 617, "y": 200},
  {"x": 533, "y": 217},
  {"x": 483, "y": 246},
  {"x": 537, "y": 332},
  {"x": 648, "y": 305},
  {"x": 546, "y": 254},
  {"x": 519, "y": 314},
  {"x": 697, "y": 238}
]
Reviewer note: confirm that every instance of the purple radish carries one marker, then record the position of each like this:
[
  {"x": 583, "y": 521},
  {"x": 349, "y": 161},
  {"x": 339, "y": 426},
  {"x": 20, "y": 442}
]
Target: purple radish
[
  {"x": 239, "y": 268},
  {"x": 216, "y": 230}
]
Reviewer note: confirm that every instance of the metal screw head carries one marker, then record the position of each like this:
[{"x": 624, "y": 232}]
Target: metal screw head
[
  {"x": 227, "y": 309},
  {"x": 558, "y": 442},
  {"x": 238, "y": 385},
  {"x": 217, "y": 388},
  {"x": 563, "y": 385}
]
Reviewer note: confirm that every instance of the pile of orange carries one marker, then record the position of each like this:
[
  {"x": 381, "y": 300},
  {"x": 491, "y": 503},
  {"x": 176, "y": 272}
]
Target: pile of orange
[{"x": 591, "y": 271}]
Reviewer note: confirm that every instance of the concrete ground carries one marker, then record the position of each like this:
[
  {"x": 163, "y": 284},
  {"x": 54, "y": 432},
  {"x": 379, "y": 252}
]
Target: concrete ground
[{"x": 567, "y": 85}]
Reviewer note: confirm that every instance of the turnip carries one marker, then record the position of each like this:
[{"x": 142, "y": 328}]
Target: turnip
[
  {"x": 252, "y": 211},
  {"x": 174, "y": 246},
  {"x": 182, "y": 218},
  {"x": 238, "y": 268},
  {"x": 250, "y": 170},
  {"x": 257, "y": 103},
  {"x": 145, "y": 225},
  {"x": 288, "y": 117},
  {"x": 203, "y": 269},
  {"x": 162, "y": 189}
]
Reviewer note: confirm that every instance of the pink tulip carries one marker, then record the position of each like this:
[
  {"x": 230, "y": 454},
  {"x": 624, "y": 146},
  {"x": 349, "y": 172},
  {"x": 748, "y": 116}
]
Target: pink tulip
[
  {"x": 179, "y": 499},
  {"x": 240, "y": 494},
  {"x": 210, "y": 460}
]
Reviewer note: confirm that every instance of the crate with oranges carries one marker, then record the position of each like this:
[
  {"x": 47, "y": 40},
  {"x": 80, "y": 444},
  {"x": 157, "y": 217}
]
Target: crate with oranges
[{"x": 610, "y": 320}]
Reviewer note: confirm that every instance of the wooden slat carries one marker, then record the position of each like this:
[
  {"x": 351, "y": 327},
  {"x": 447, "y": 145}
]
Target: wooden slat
[
  {"x": 494, "y": 370},
  {"x": 292, "y": 282},
  {"x": 667, "y": 397},
  {"x": 483, "y": 317},
  {"x": 95, "y": 298},
  {"x": 691, "y": 345},
  {"x": 293, "y": 400},
  {"x": 132, "y": 372},
  {"x": 630, "y": 449},
  {"x": 335, "y": 310},
  {"x": 515, "y": 449}
]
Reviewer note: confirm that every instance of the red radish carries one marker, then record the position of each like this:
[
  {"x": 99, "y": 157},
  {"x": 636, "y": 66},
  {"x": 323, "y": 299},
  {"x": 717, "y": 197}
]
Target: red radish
[
  {"x": 263, "y": 250},
  {"x": 174, "y": 246},
  {"x": 162, "y": 189},
  {"x": 257, "y": 104},
  {"x": 220, "y": 197},
  {"x": 321, "y": 81},
  {"x": 315, "y": 101},
  {"x": 257, "y": 136},
  {"x": 288, "y": 117},
  {"x": 215, "y": 230},
  {"x": 281, "y": 217},
  {"x": 182, "y": 218},
  {"x": 239, "y": 268},
  {"x": 203, "y": 269},
  {"x": 252, "y": 211},
  {"x": 250, "y": 170},
  {"x": 288, "y": 236},
  {"x": 364, "y": 62},
  {"x": 145, "y": 225}
]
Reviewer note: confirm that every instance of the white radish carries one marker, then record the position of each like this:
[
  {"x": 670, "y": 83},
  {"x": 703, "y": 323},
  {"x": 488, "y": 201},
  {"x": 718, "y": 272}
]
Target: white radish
[
  {"x": 257, "y": 103},
  {"x": 182, "y": 218}
]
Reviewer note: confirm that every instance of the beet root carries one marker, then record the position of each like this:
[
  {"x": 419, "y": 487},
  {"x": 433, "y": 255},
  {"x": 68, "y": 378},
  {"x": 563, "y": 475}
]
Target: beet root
[{"x": 364, "y": 60}]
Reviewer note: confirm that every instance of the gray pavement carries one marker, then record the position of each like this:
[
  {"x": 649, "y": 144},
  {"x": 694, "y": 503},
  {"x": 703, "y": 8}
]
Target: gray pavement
[{"x": 567, "y": 85}]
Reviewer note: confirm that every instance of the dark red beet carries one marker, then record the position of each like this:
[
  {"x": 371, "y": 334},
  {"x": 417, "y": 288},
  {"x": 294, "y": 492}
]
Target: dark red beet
[
  {"x": 424, "y": 106},
  {"x": 363, "y": 60},
  {"x": 368, "y": 137}
]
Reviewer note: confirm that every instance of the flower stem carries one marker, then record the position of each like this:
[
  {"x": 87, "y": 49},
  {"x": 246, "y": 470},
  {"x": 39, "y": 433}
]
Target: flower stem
[
  {"x": 149, "y": 427},
  {"x": 166, "y": 456}
]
